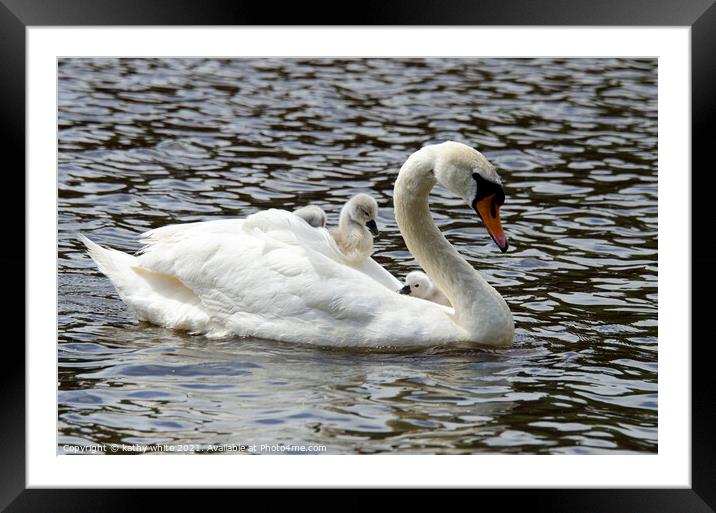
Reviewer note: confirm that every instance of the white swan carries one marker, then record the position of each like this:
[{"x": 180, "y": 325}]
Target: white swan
[
  {"x": 273, "y": 276},
  {"x": 418, "y": 284}
]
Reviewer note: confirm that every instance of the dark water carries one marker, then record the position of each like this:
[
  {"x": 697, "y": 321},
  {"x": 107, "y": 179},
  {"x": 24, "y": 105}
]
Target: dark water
[{"x": 144, "y": 143}]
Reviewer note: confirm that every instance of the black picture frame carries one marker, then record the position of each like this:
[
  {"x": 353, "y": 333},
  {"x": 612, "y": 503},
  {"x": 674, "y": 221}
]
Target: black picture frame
[{"x": 700, "y": 15}]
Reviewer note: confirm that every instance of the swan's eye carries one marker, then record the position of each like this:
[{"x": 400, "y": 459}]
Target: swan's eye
[{"x": 417, "y": 285}]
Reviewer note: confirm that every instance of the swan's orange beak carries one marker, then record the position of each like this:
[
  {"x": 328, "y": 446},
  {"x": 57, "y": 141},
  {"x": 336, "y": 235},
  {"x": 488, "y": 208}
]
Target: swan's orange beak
[{"x": 489, "y": 211}]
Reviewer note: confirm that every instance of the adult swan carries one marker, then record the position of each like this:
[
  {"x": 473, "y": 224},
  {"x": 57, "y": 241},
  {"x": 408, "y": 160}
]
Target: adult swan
[{"x": 273, "y": 276}]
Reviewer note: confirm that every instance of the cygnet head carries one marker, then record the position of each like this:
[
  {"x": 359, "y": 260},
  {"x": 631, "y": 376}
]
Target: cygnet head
[
  {"x": 313, "y": 215},
  {"x": 363, "y": 210},
  {"x": 417, "y": 284},
  {"x": 467, "y": 173}
]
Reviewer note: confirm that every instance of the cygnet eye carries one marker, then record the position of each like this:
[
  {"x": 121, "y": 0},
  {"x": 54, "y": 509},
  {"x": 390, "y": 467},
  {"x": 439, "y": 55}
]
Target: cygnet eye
[{"x": 417, "y": 285}]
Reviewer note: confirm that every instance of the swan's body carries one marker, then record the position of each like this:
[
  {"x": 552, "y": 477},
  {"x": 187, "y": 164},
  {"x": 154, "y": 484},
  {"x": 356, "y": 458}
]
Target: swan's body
[
  {"x": 418, "y": 284},
  {"x": 269, "y": 276},
  {"x": 274, "y": 276}
]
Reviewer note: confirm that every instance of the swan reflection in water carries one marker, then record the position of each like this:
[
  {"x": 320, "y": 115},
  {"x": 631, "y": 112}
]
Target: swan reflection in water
[{"x": 273, "y": 276}]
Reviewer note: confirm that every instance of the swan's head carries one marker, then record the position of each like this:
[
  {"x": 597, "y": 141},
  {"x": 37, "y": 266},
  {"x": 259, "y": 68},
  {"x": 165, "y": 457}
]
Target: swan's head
[
  {"x": 466, "y": 172},
  {"x": 313, "y": 215},
  {"x": 363, "y": 209},
  {"x": 417, "y": 284}
]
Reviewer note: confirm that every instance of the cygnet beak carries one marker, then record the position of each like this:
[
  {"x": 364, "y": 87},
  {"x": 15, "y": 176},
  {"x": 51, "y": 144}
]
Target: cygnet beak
[
  {"x": 373, "y": 228},
  {"x": 405, "y": 290}
]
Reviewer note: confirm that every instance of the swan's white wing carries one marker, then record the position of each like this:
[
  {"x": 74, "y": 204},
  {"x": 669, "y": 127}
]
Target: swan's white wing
[
  {"x": 284, "y": 226},
  {"x": 175, "y": 232},
  {"x": 279, "y": 225}
]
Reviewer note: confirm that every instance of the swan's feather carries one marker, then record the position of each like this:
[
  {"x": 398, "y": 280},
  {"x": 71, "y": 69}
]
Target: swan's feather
[{"x": 155, "y": 297}]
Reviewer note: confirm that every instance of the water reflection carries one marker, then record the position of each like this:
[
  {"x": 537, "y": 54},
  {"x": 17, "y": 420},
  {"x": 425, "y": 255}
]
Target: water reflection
[{"x": 143, "y": 143}]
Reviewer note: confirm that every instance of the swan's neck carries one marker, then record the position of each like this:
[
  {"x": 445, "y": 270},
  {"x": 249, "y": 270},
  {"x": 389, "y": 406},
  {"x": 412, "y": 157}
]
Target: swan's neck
[
  {"x": 357, "y": 241},
  {"x": 479, "y": 309},
  {"x": 346, "y": 224}
]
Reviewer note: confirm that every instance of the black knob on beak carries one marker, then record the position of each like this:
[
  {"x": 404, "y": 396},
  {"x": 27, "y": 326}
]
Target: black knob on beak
[
  {"x": 405, "y": 290},
  {"x": 373, "y": 228}
]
